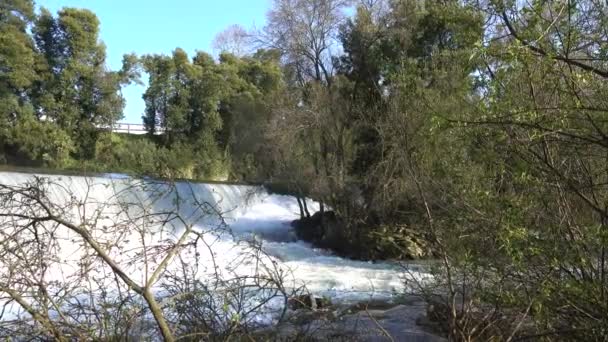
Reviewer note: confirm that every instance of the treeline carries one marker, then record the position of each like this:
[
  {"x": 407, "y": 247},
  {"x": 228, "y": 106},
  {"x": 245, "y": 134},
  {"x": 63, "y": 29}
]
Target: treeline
[
  {"x": 58, "y": 100},
  {"x": 55, "y": 89},
  {"x": 210, "y": 114}
]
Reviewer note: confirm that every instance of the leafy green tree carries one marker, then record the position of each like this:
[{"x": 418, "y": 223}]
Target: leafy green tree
[
  {"x": 245, "y": 109},
  {"x": 159, "y": 70},
  {"x": 76, "y": 91},
  {"x": 183, "y": 99},
  {"x": 511, "y": 172},
  {"x": 17, "y": 63},
  {"x": 540, "y": 133},
  {"x": 18, "y": 51},
  {"x": 41, "y": 141},
  {"x": 216, "y": 108}
]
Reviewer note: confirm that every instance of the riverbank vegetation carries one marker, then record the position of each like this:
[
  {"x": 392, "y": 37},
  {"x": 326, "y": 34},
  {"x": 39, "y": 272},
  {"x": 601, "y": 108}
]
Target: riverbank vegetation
[{"x": 474, "y": 132}]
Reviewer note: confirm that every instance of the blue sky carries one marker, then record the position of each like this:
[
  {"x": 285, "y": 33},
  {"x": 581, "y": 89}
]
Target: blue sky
[{"x": 159, "y": 26}]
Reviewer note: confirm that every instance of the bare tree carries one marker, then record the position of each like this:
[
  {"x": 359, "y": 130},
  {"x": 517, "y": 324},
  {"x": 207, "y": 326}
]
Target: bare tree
[
  {"x": 306, "y": 32},
  {"x": 126, "y": 259},
  {"x": 234, "y": 39}
]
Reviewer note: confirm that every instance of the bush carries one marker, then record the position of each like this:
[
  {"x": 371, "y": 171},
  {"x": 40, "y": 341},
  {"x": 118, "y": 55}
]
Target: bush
[
  {"x": 41, "y": 141},
  {"x": 142, "y": 156},
  {"x": 126, "y": 154}
]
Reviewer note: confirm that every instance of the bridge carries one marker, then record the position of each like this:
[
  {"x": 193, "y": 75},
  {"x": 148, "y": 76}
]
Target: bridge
[{"x": 131, "y": 128}]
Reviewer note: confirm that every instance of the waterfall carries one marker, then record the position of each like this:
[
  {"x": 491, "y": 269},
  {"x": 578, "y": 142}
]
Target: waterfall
[{"x": 126, "y": 214}]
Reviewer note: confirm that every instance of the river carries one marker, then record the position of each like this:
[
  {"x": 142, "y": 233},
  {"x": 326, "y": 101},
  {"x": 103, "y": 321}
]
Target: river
[{"x": 242, "y": 226}]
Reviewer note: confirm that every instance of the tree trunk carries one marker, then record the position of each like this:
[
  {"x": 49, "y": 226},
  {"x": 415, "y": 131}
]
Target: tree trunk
[
  {"x": 301, "y": 207},
  {"x": 322, "y": 221},
  {"x": 305, "y": 207}
]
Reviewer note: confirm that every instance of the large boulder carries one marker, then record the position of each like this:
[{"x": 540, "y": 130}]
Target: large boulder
[
  {"x": 399, "y": 241},
  {"x": 317, "y": 228},
  {"x": 376, "y": 242}
]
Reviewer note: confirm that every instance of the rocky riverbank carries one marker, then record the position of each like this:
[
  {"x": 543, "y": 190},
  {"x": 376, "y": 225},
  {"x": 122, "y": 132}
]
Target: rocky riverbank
[
  {"x": 373, "y": 321},
  {"x": 380, "y": 242}
]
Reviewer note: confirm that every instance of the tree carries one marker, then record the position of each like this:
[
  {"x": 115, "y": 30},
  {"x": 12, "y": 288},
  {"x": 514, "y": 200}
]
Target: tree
[
  {"x": 245, "y": 108},
  {"x": 305, "y": 31},
  {"x": 546, "y": 71},
  {"x": 76, "y": 91},
  {"x": 520, "y": 222},
  {"x": 215, "y": 108},
  {"x": 159, "y": 70},
  {"x": 351, "y": 142},
  {"x": 17, "y": 63},
  {"x": 18, "y": 51},
  {"x": 183, "y": 99},
  {"x": 234, "y": 39}
]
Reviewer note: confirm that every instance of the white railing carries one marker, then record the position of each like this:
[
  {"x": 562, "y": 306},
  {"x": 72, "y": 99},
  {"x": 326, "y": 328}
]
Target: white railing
[
  {"x": 129, "y": 128},
  {"x": 132, "y": 128}
]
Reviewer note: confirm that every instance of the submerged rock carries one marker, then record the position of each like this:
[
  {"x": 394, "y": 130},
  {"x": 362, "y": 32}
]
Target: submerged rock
[{"x": 308, "y": 301}]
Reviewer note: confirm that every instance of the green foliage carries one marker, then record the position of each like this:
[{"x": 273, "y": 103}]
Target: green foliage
[
  {"x": 203, "y": 104},
  {"x": 123, "y": 153},
  {"x": 481, "y": 128},
  {"x": 17, "y": 60},
  {"x": 473, "y": 129},
  {"x": 54, "y": 81},
  {"x": 56, "y": 92},
  {"x": 140, "y": 155},
  {"x": 77, "y": 92},
  {"x": 527, "y": 200},
  {"x": 41, "y": 141}
]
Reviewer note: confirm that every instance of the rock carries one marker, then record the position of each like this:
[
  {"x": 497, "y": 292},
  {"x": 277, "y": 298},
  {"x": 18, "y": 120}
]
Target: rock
[
  {"x": 371, "y": 324},
  {"x": 308, "y": 301},
  {"x": 384, "y": 241},
  {"x": 399, "y": 241},
  {"x": 372, "y": 304},
  {"x": 300, "y": 302},
  {"x": 321, "y": 229}
]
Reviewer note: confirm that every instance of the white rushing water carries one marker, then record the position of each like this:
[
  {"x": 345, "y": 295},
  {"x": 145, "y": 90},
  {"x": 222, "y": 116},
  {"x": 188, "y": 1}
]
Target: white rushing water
[{"x": 109, "y": 206}]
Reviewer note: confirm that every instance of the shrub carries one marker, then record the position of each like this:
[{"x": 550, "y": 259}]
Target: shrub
[{"x": 41, "y": 141}]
